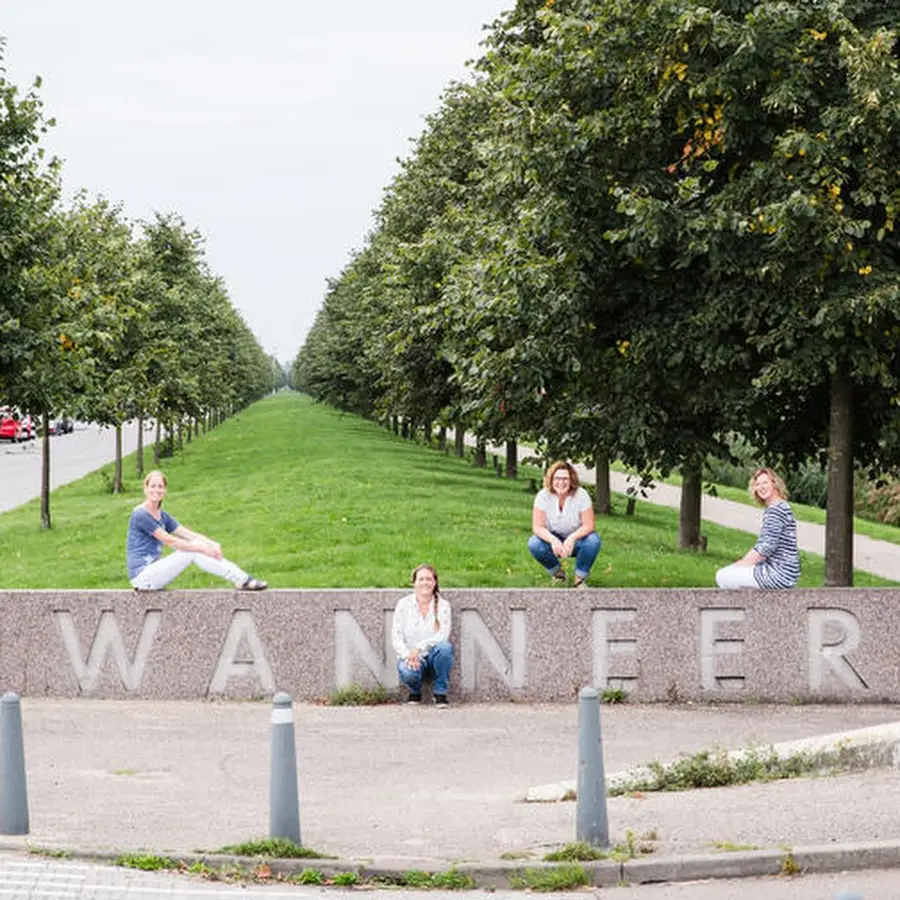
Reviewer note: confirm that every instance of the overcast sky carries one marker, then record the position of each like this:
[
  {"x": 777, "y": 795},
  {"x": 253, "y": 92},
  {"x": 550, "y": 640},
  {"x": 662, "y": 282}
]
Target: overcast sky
[{"x": 271, "y": 126}]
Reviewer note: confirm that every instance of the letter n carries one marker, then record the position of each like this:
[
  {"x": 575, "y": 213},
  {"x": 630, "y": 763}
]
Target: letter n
[
  {"x": 350, "y": 645},
  {"x": 474, "y": 635}
]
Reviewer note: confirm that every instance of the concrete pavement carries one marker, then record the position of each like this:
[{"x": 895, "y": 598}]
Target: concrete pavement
[
  {"x": 415, "y": 787},
  {"x": 72, "y": 456}
]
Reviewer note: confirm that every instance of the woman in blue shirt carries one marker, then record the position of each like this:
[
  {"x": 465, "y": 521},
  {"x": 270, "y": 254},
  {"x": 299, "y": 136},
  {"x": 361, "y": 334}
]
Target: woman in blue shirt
[
  {"x": 774, "y": 561},
  {"x": 151, "y": 527}
]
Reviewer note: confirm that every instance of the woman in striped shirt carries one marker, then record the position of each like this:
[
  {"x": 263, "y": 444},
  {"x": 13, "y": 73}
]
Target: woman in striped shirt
[{"x": 774, "y": 561}]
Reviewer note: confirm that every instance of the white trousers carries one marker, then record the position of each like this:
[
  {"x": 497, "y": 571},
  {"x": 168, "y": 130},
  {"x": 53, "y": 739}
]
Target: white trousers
[
  {"x": 735, "y": 576},
  {"x": 167, "y": 568}
]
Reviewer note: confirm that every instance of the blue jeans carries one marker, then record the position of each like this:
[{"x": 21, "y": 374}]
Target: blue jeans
[
  {"x": 586, "y": 550},
  {"x": 435, "y": 664}
]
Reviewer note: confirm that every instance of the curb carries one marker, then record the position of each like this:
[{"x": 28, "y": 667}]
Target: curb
[
  {"x": 863, "y": 748},
  {"x": 505, "y": 875}
]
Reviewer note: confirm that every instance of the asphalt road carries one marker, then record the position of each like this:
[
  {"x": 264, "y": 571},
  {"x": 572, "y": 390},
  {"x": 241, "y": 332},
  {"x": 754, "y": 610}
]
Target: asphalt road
[
  {"x": 71, "y": 456},
  {"x": 51, "y": 879}
]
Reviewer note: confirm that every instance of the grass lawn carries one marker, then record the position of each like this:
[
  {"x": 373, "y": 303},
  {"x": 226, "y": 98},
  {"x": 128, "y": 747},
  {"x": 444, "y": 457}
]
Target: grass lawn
[{"x": 305, "y": 496}]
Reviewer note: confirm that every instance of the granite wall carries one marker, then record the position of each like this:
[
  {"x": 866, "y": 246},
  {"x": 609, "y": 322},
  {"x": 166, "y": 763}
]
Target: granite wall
[{"x": 541, "y": 645}]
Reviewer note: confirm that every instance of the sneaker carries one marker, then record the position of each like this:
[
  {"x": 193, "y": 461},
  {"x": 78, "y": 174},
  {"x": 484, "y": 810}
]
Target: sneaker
[
  {"x": 559, "y": 576},
  {"x": 414, "y": 698},
  {"x": 580, "y": 582},
  {"x": 440, "y": 700}
]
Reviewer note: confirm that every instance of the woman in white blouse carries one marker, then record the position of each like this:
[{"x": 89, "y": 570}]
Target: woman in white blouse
[
  {"x": 562, "y": 522},
  {"x": 420, "y": 635}
]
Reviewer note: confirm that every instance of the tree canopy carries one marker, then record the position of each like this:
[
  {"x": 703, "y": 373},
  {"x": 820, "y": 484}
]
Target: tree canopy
[{"x": 640, "y": 229}]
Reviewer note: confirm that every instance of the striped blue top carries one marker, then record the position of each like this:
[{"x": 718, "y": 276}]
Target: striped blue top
[{"x": 778, "y": 544}]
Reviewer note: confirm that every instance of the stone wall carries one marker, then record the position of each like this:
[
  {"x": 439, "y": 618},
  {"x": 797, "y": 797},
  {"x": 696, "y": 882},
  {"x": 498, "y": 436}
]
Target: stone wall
[{"x": 540, "y": 645}]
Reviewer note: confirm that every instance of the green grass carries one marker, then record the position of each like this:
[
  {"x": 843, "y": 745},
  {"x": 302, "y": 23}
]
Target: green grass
[
  {"x": 717, "y": 768},
  {"x": 147, "y": 862},
  {"x": 357, "y": 695},
  {"x": 580, "y": 851},
  {"x": 305, "y": 496},
  {"x": 451, "y": 880},
  {"x": 280, "y": 848},
  {"x": 557, "y": 878}
]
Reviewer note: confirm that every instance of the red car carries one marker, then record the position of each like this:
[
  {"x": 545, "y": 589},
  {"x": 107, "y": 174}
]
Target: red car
[{"x": 14, "y": 426}]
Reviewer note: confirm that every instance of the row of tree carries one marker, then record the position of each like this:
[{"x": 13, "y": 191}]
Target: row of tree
[
  {"x": 642, "y": 228},
  {"x": 105, "y": 319}
]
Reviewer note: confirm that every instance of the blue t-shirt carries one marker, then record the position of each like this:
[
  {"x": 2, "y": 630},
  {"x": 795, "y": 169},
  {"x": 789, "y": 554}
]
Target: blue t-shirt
[{"x": 142, "y": 548}]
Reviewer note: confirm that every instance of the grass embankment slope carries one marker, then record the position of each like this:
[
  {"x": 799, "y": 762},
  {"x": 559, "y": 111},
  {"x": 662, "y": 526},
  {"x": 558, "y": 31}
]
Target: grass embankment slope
[{"x": 305, "y": 496}]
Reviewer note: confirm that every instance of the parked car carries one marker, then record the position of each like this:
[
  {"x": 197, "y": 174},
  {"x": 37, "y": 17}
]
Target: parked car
[
  {"x": 14, "y": 426},
  {"x": 62, "y": 426}
]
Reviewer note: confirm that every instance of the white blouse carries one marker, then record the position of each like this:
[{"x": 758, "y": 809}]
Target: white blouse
[{"x": 411, "y": 630}]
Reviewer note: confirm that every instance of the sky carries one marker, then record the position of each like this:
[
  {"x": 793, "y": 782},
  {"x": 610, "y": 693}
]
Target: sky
[{"x": 272, "y": 127}]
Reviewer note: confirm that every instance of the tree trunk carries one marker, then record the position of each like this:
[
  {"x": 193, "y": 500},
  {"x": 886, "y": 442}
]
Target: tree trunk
[
  {"x": 839, "y": 515},
  {"x": 45, "y": 472},
  {"x": 179, "y": 428},
  {"x": 117, "y": 478},
  {"x": 156, "y": 442},
  {"x": 689, "y": 514},
  {"x": 139, "y": 455},
  {"x": 442, "y": 438},
  {"x": 459, "y": 441},
  {"x": 480, "y": 458},
  {"x": 426, "y": 433},
  {"x": 603, "y": 494},
  {"x": 512, "y": 459},
  {"x": 404, "y": 428}
]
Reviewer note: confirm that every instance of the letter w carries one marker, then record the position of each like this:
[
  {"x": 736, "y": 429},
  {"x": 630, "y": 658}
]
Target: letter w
[{"x": 108, "y": 641}]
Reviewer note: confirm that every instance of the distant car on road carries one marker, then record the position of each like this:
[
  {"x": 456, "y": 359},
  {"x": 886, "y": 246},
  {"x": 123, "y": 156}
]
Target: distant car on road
[
  {"x": 14, "y": 426},
  {"x": 62, "y": 426}
]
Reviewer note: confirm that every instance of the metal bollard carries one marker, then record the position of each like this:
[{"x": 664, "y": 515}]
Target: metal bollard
[
  {"x": 284, "y": 803},
  {"x": 13, "y": 789},
  {"x": 591, "y": 823}
]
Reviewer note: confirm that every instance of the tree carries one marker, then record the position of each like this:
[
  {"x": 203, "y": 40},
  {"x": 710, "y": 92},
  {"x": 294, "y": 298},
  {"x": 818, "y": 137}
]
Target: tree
[
  {"x": 786, "y": 117},
  {"x": 28, "y": 191},
  {"x": 105, "y": 270}
]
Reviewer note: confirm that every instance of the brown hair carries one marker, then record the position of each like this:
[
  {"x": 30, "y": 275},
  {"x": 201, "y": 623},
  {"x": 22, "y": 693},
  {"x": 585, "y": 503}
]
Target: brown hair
[
  {"x": 437, "y": 589},
  {"x": 777, "y": 481},
  {"x": 574, "y": 482}
]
